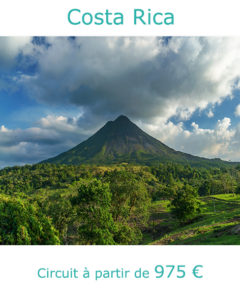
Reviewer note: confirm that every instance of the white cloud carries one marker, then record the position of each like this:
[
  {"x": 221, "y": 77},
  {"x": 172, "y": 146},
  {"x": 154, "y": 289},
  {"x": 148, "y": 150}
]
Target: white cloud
[
  {"x": 147, "y": 79},
  {"x": 143, "y": 78},
  {"x": 237, "y": 111},
  {"x": 11, "y": 47},
  {"x": 222, "y": 141},
  {"x": 210, "y": 114},
  {"x": 54, "y": 135}
]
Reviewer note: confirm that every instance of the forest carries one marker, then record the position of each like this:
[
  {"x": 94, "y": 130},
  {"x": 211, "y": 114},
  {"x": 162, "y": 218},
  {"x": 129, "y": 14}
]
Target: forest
[{"x": 122, "y": 204}]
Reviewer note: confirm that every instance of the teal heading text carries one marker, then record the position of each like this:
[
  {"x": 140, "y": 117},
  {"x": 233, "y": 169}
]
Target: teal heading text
[{"x": 139, "y": 17}]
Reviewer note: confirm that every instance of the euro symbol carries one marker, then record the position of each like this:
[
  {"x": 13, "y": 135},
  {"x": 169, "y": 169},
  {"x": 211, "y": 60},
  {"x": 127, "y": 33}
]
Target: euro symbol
[{"x": 195, "y": 271}]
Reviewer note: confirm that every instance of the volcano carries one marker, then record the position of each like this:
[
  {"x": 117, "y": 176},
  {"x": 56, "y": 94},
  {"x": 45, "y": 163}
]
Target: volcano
[{"x": 121, "y": 141}]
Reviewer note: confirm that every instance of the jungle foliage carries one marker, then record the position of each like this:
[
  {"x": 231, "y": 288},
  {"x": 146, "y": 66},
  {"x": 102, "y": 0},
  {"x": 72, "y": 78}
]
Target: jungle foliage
[{"x": 107, "y": 205}]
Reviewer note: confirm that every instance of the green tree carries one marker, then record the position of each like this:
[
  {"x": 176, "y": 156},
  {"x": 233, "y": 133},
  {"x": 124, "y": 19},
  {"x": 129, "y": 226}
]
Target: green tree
[
  {"x": 205, "y": 188},
  {"x": 62, "y": 214},
  {"x": 237, "y": 190},
  {"x": 227, "y": 182},
  {"x": 21, "y": 223},
  {"x": 130, "y": 206},
  {"x": 185, "y": 204},
  {"x": 93, "y": 201}
]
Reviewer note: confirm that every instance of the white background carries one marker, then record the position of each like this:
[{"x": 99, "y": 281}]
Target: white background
[
  {"x": 19, "y": 265},
  {"x": 205, "y": 17}
]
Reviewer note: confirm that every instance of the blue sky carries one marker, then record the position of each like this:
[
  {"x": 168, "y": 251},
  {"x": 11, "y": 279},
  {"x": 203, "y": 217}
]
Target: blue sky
[{"x": 57, "y": 91}]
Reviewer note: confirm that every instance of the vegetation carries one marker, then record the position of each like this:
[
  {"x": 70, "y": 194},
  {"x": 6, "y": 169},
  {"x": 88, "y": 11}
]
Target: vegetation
[
  {"x": 185, "y": 205},
  {"x": 138, "y": 192},
  {"x": 168, "y": 203},
  {"x": 93, "y": 202},
  {"x": 218, "y": 224},
  {"x": 21, "y": 223}
]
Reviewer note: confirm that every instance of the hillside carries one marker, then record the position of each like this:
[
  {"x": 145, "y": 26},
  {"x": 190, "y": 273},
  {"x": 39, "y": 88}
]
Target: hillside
[
  {"x": 121, "y": 141},
  {"x": 47, "y": 204},
  {"x": 218, "y": 224}
]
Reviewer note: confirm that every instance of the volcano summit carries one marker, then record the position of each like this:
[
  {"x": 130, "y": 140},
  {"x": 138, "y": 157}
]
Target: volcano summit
[{"x": 121, "y": 141}]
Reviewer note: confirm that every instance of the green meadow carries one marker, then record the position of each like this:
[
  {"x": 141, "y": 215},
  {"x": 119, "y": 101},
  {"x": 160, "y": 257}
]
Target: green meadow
[{"x": 218, "y": 224}]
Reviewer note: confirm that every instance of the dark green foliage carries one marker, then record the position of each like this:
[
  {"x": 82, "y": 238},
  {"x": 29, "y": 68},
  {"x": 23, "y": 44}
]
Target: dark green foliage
[
  {"x": 30, "y": 178},
  {"x": 93, "y": 203},
  {"x": 62, "y": 214},
  {"x": 127, "y": 235},
  {"x": 185, "y": 205},
  {"x": 23, "y": 224},
  {"x": 205, "y": 188},
  {"x": 130, "y": 205},
  {"x": 237, "y": 191},
  {"x": 67, "y": 200}
]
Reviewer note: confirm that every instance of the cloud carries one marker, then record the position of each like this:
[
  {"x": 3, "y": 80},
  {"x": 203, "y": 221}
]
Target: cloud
[
  {"x": 150, "y": 79},
  {"x": 53, "y": 135},
  {"x": 11, "y": 47},
  {"x": 237, "y": 111},
  {"x": 221, "y": 141},
  {"x": 143, "y": 78},
  {"x": 210, "y": 114}
]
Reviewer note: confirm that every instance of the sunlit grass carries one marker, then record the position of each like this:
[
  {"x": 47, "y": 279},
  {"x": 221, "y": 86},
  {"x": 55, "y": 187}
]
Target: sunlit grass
[{"x": 214, "y": 226}]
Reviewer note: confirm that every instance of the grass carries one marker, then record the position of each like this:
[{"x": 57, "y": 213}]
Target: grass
[{"x": 215, "y": 226}]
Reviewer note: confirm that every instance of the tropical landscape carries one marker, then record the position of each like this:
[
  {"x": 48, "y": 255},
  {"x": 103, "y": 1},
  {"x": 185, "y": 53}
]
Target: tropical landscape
[
  {"x": 119, "y": 141},
  {"x": 121, "y": 186}
]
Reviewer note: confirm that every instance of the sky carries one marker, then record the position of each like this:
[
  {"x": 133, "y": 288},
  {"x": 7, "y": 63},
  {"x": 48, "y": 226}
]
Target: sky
[{"x": 57, "y": 91}]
